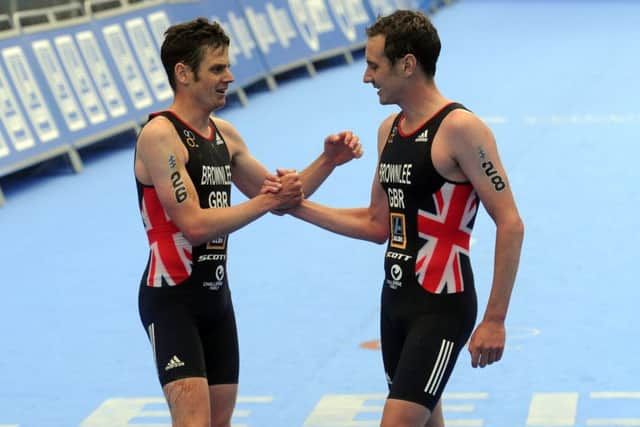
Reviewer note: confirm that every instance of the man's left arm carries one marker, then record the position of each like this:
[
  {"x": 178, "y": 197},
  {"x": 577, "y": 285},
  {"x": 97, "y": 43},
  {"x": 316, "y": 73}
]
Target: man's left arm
[
  {"x": 251, "y": 177},
  {"x": 338, "y": 149},
  {"x": 476, "y": 153}
]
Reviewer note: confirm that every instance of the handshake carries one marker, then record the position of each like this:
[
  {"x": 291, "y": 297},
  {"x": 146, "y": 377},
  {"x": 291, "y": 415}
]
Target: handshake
[{"x": 285, "y": 188}]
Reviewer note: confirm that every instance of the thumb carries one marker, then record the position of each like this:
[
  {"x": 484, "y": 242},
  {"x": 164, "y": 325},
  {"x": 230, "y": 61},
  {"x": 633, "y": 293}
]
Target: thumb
[{"x": 282, "y": 171}]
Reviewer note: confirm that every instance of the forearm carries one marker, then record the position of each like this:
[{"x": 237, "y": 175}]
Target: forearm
[
  {"x": 357, "y": 223},
  {"x": 315, "y": 174},
  {"x": 209, "y": 224},
  {"x": 507, "y": 257}
]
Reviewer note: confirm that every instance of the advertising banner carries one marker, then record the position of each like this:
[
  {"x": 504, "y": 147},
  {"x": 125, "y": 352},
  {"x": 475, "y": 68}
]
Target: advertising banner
[
  {"x": 72, "y": 85},
  {"x": 291, "y": 32}
]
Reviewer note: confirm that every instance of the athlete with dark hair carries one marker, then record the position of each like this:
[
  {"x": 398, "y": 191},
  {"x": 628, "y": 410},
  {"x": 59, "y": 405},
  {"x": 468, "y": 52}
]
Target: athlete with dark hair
[
  {"x": 185, "y": 163},
  {"x": 437, "y": 162}
]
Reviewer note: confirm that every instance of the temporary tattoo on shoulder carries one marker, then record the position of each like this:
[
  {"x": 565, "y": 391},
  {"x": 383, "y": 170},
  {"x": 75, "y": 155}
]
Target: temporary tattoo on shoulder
[
  {"x": 178, "y": 186},
  {"x": 490, "y": 171},
  {"x": 172, "y": 161}
]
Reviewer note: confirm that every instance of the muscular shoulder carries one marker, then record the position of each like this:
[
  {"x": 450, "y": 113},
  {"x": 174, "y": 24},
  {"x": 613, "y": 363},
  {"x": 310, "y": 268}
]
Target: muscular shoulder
[
  {"x": 158, "y": 141},
  {"x": 463, "y": 129},
  {"x": 157, "y": 134},
  {"x": 156, "y": 130}
]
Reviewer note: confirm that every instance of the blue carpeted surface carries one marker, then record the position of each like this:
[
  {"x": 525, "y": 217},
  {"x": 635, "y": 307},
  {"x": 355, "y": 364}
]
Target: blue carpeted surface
[{"x": 556, "y": 81}]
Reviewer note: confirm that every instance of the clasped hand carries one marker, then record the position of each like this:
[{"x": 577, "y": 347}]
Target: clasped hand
[
  {"x": 286, "y": 188},
  {"x": 286, "y": 185}
]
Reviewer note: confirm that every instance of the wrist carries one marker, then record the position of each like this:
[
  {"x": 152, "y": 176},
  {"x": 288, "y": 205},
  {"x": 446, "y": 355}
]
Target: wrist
[
  {"x": 327, "y": 161},
  {"x": 494, "y": 318},
  {"x": 268, "y": 201},
  {"x": 298, "y": 210}
]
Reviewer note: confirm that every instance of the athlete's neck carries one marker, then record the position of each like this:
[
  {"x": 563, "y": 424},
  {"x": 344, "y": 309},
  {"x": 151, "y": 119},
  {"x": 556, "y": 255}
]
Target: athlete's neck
[
  {"x": 190, "y": 113},
  {"x": 421, "y": 103}
]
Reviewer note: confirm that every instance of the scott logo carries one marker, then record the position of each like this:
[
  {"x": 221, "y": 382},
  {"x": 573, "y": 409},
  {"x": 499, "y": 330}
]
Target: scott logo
[
  {"x": 401, "y": 257},
  {"x": 211, "y": 257}
]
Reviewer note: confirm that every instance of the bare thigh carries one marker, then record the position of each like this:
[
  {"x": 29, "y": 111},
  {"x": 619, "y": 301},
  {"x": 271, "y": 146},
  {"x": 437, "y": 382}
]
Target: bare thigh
[
  {"x": 436, "y": 419},
  {"x": 402, "y": 413},
  {"x": 222, "y": 398},
  {"x": 188, "y": 401}
]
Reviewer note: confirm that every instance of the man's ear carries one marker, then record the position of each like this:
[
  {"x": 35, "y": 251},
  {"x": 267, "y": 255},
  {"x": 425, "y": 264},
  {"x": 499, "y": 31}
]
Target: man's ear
[
  {"x": 182, "y": 73},
  {"x": 409, "y": 64}
]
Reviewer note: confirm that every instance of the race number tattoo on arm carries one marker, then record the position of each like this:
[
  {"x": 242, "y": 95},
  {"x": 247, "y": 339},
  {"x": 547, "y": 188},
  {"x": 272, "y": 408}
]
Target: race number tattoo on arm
[
  {"x": 180, "y": 190},
  {"x": 490, "y": 171},
  {"x": 172, "y": 161},
  {"x": 178, "y": 186}
]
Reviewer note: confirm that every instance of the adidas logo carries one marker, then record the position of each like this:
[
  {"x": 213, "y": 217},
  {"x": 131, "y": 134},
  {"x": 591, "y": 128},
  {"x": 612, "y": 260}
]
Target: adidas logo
[
  {"x": 423, "y": 137},
  {"x": 219, "y": 140},
  {"x": 174, "y": 363}
]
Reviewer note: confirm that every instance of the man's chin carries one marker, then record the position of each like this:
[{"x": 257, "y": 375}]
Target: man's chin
[{"x": 221, "y": 101}]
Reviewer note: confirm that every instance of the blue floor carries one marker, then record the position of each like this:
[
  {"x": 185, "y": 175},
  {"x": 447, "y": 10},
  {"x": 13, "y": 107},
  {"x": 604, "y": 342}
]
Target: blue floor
[{"x": 557, "y": 82}]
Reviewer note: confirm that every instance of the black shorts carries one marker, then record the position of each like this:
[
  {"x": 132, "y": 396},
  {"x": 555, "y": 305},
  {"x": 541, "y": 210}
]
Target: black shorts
[
  {"x": 421, "y": 337},
  {"x": 192, "y": 331}
]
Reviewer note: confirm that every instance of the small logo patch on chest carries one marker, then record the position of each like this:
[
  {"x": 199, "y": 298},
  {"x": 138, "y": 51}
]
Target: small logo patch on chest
[{"x": 423, "y": 137}]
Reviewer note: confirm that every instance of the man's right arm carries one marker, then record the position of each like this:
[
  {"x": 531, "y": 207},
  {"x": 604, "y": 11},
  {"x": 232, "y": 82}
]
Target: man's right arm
[
  {"x": 161, "y": 161},
  {"x": 360, "y": 223},
  {"x": 370, "y": 223}
]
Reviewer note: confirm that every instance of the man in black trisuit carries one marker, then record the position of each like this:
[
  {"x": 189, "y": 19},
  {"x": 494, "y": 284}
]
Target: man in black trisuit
[
  {"x": 185, "y": 162},
  {"x": 437, "y": 163}
]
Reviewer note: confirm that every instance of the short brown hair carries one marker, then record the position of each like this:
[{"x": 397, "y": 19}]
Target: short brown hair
[
  {"x": 408, "y": 31},
  {"x": 186, "y": 41}
]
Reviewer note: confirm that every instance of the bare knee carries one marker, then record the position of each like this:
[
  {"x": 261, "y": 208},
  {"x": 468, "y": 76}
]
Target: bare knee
[
  {"x": 218, "y": 420},
  {"x": 222, "y": 401},
  {"x": 433, "y": 422}
]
